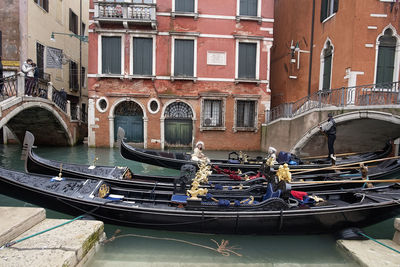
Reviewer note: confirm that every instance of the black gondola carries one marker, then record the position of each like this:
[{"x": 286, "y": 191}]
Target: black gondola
[
  {"x": 175, "y": 160},
  {"x": 151, "y": 209},
  {"x": 123, "y": 176}
]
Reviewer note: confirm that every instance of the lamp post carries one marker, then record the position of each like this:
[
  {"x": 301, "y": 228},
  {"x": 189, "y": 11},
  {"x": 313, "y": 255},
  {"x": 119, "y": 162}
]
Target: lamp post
[{"x": 82, "y": 38}]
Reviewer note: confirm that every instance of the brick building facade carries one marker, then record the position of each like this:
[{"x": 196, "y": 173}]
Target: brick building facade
[
  {"x": 177, "y": 71},
  {"x": 354, "y": 43}
]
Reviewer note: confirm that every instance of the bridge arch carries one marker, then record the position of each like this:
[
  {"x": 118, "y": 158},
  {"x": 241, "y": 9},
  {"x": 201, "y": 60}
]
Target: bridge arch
[
  {"x": 42, "y": 105},
  {"x": 370, "y": 127}
]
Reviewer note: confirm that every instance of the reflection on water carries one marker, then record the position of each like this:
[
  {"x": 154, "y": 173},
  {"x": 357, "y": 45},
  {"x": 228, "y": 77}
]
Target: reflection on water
[{"x": 141, "y": 247}]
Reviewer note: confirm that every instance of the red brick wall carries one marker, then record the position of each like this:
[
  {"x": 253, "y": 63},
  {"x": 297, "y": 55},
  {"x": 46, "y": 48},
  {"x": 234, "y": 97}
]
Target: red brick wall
[{"x": 348, "y": 32}]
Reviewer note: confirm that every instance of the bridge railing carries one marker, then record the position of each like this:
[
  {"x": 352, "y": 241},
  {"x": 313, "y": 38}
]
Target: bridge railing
[
  {"x": 365, "y": 95},
  {"x": 8, "y": 87},
  {"x": 78, "y": 114},
  {"x": 60, "y": 99}
]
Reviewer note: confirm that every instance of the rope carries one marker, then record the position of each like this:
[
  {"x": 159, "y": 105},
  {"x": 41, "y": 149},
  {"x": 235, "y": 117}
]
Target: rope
[
  {"x": 380, "y": 243},
  {"x": 9, "y": 244},
  {"x": 222, "y": 248}
]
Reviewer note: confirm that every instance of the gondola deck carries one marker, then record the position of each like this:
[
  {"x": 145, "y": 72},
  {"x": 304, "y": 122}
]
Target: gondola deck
[
  {"x": 175, "y": 160},
  {"x": 341, "y": 208}
]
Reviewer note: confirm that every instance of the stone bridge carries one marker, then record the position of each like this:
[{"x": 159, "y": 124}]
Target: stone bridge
[
  {"x": 361, "y": 126},
  {"x": 46, "y": 113}
]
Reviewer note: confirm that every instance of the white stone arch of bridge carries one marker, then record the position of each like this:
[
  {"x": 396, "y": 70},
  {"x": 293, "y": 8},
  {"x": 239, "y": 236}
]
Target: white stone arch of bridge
[
  {"x": 162, "y": 119},
  {"x": 356, "y": 115},
  {"x": 111, "y": 118},
  {"x": 45, "y": 106}
]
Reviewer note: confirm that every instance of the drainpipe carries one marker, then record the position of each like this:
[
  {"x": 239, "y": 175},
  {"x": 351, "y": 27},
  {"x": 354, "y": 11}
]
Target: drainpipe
[
  {"x": 80, "y": 53},
  {"x": 311, "y": 49}
]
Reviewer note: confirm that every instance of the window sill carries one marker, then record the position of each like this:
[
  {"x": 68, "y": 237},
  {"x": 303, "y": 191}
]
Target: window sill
[
  {"x": 247, "y": 81},
  {"x": 142, "y": 77},
  {"x": 328, "y": 18},
  {"x": 185, "y": 14},
  {"x": 119, "y": 76},
  {"x": 183, "y": 78},
  {"x": 205, "y": 128},
  {"x": 244, "y": 129},
  {"x": 251, "y": 18}
]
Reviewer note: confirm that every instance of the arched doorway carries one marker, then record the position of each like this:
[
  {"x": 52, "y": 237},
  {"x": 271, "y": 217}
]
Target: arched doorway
[
  {"x": 178, "y": 125},
  {"x": 129, "y": 116}
]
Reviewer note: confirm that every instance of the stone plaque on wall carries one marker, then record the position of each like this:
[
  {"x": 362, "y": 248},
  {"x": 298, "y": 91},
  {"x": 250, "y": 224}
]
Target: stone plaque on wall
[
  {"x": 54, "y": 58},
  {"x": 216, "y": 58}
]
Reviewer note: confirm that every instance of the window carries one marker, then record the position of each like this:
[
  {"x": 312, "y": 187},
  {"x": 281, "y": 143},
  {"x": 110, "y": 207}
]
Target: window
[
  {"x": 184, "y": 58},
  {"x": 83, "y": 76},
  {"x": 73, "y": 22},
  {"x": 43, "y": 4},
  {"x": 40, "y": 59},
  {"x": 73, "y": 76},
  {"x": 184, "y": 6},
  {"x": 386, "y": 55},
  {"x": 83, "y": 28},
  {"x": 212, "y": 113},
  {"x": 248, "y": 8},
  {"x": 247, "y": 61},
  {"x": 245, "y": 113},
  {"x": 111, "y": 55},
  {"x": 142, "y": 56},
  {"x": 327, "y": 65},
  {"x": 328, "y": 8}
]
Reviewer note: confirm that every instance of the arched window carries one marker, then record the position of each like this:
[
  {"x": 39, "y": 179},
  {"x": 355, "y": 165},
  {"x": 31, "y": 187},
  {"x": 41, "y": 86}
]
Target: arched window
[
  {"x": 386, "y": 55},
  {"x": 178, "y": 110},
  {"x": 327, "y": 66}
]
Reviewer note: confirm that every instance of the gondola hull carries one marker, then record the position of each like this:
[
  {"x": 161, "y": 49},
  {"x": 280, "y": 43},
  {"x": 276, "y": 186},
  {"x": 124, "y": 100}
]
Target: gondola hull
[
  {"x": 77, "y": 197},
  {"x": 175, "y": 160},
  {"x": 118, "y": 175}
]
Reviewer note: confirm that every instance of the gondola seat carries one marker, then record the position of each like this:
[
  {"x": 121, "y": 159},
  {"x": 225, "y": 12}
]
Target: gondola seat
[
  {"x": 271, "y": 193},
  {"x": 179, "y": 199}
]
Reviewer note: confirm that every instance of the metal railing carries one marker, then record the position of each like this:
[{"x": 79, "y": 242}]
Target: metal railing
[
  {"x": 84, "y": 117},
  {"x": 145, "y": 12},
  {"x": 364, "y": 95},
  {"x": 40, "y": 89},
  {"x": 74, "y": 112},
  {"x": 8, "y": 87},
  {"x": 60, "y": 99}
]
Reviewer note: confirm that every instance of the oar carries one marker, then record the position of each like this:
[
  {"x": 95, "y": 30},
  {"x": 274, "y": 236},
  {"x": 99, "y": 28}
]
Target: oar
[
  {"x": 333, "y": 168},
  {"x": 347, "y": 164},
  {"x": 349, "y": 181},
  {"x": 337, "y": 155}
]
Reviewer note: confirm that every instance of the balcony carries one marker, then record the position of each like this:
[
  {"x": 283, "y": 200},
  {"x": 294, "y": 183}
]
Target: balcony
[{"x": 127, "y": 13}]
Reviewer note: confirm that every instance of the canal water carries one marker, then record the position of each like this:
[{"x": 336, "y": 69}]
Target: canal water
[{"x": 143, "y": 247}]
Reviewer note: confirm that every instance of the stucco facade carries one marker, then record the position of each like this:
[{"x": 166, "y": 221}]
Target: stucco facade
[
  {"x": 351, "y": 28},
  {"x": 218, "y": 31}
]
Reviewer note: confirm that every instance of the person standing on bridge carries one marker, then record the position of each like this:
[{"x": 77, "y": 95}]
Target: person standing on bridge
[
  {"x": 329, "y": 129},
  {"x": 28, "y": 70}
]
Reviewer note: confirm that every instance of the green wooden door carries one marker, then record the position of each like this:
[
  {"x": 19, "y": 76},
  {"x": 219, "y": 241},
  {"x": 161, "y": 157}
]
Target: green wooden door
[
  {"x": 133, "y": 126},
  {"x": 178, "y": 132}
]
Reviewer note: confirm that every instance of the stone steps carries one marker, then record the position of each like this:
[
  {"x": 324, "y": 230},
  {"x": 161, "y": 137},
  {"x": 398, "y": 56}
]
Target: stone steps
[
  {"x": 72, "y": 244},
  {"x": 370, "y": 253}
]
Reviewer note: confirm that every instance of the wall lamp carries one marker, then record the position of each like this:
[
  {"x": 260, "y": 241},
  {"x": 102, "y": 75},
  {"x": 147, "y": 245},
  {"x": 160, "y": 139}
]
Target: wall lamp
[
  {"x": 82, "y": 38},
  {"x": 296, "y": 49}
]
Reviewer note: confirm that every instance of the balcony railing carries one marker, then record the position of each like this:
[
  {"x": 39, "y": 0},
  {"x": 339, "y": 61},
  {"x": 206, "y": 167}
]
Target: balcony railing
[
  {"x": 126, "y": 12},
  {"x": 365, "y": 95}
]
